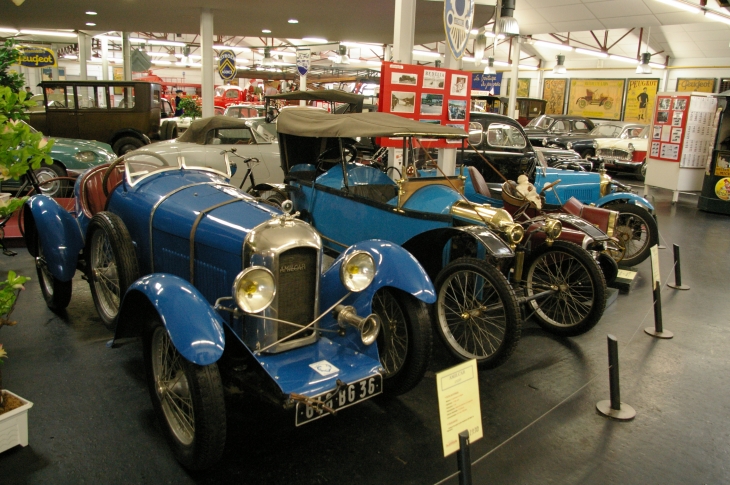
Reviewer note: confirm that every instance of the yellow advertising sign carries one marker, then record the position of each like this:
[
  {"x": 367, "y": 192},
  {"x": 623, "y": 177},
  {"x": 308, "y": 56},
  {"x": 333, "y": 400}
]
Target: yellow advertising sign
[
  {"x": 459, "y": 409},
  {"x": 596, "y": 98},
  {"x": 36, "y": 57},
  {"x": 523, "y": 87},
  {"x": 702, "y": 85},
  {"x": 640, "y": 99},
  {"x": 553, "y": 92}
]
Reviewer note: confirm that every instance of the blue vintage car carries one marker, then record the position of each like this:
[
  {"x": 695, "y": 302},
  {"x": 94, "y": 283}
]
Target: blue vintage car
[
  {"x": 468, "y": 249},
  {"x": 223, "y": 288},
  {"x": 505, "y": 150}
]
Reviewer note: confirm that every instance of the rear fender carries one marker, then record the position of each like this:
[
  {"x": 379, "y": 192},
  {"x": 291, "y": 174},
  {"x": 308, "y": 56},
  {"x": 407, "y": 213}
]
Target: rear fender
[
  {"x": 428, "y": 247},
  {"x": 195, "y": 328},
  {"x": 626, "y": 197},
  {"x": 60, "y": 238}
]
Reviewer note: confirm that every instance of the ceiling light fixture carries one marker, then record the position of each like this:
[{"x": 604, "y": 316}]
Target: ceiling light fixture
[
  {"x": 553, "y": 45},
  {"x": 315, "y": 39},
  {"x": 266, "y": 31},
  {"x": 51, "y": 33},
  {"x": 507, "y": 23},
  {"x": 560, "y": 66},
  {"x": 682, "y": 5},
  {"x": 717, "y": 18},
  {"x": 91, "y": 24},
  {"x": 657, "y": 66},
  {"x": 490, "y": 66},
  {"x": 293, "y": 21},
  {"x": 426, "y": 53},
  {"x": 169, "y": 43},
  {"x": 623, "y": 59},
  {"x": 591, "y": 52},
  {"x": 501, "y": 63},
  {"x": 10, "y": 31},
  {"x": 526, "y": 67},
  {"x": 267, "y": 60},
  {"x": 90, "y": 12},
  {"x": 220, "y": 47},
  {"x": 644, "y": 67}
]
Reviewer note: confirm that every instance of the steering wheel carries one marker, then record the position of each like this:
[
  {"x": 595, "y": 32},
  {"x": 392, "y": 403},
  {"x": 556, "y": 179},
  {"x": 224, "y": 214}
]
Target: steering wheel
[
  {"x": 521, "y": 210},
  {"x": 332, "y": 155},
  {"x": 549, "y": 186},
  {"x": 108, "y": 173}
]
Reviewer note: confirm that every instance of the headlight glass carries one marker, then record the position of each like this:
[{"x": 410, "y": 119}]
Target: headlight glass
[
  {"x": 553, "y": 228},
  {"x": 85, "y": 156},
  {"x": 254, "y": 289},
  {"x": 570, "y": 145},
  {"x": 357, "y": 271},
  {"x": 514, "y": 233}
]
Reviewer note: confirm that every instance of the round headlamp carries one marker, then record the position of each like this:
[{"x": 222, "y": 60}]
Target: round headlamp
[
  {"x": 357, "y": 271},
  {"x": 85, "y": 156},
  {"x": 544, "y": 142},
  {"x": 595, "y": 145},
  {"x": 514, "y": 233},
  {"x": 631, "y": 147},
  {"x": 553, "y": 228},
  {"x": 570, "y": 145},
  {"x": 254, "y": 289}
]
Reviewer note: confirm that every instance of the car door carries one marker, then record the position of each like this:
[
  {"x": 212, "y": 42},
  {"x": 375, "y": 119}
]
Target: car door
[{"x": 61, "y": 115}]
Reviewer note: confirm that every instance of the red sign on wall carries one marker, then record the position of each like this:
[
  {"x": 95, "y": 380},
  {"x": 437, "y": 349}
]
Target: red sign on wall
[
  {"x": 668, "y": 129},
  {"x": 426, "y": 94}
]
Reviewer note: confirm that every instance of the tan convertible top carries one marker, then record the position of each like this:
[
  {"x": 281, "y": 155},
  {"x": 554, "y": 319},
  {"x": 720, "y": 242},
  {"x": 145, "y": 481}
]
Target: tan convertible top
[
  {"x": 200, "y": 127},
  {"x": 318, "y": 123}
]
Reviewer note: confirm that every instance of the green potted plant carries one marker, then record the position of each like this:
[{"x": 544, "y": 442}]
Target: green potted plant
[
  {"x": 20, "y": 149},
  {"x": 190, "y": 108}
]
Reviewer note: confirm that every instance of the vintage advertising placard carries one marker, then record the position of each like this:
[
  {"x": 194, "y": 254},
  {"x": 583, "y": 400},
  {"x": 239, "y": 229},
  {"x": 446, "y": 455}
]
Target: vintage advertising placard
[
  {"x": 459, "y": 408},
  {"x": 486, "y": 83},
  {"x": 523, "y": 87},
  {"x": 36, "y": 56},
  {"x": 431, "y": 95},
  {"x": 640, "y": 99},
  {"x": 702, "y": 85},
  {"x": 553, "y": 91},
  {"x": 596, "y": 98}
]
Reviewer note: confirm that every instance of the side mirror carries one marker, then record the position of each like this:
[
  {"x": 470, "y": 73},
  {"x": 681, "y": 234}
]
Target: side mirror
[{"x": 476, "y": 134}]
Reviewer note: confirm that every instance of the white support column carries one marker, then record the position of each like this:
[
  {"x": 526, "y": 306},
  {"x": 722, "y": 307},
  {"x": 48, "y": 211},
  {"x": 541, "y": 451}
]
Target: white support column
[
  {"x": 540, "y": 83},
  {"x": 82, "y": 39},
  {"x": 206, "y": 51},
  {"x": 447, "y": 156},
  {"x": 104, "y": 59},
  {"x": 404, "y": 28},
  {"x": 302, "y": 87},
  {"x": 665, "y": 80},
  {"x": 514, "y": 76},
  {"x": 127, "y": 56}
]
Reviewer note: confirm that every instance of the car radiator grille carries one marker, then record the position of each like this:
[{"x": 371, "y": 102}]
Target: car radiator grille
[
  {"x": 584, "y": 195},
  {"x": 617, "y": 154},
  {"x": 296, "y": 289}
]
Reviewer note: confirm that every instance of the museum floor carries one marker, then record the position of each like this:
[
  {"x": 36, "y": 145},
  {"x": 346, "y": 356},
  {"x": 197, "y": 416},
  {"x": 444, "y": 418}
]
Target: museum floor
[{"x": 92, "y": 420}]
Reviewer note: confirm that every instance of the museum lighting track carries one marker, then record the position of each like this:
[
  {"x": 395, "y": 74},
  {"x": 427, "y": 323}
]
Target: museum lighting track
[
  {"x": 553, "y": 45},
  {"x": 589, "y": 52},
  {"x": 688, "y": 7},
  {"x": 709, "y": 14}
]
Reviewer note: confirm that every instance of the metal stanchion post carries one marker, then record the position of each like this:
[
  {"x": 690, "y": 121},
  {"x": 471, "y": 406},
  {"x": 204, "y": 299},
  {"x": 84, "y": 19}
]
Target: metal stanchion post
[
  {"x": 463, "y": 456},
  {"x": 614, "y": 408},
  {"x": 677, "y": 272},
  {"x": 658, "y": 329}
]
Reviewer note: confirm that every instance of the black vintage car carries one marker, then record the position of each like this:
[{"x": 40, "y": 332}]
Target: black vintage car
[
  {"x": 585, "y": 144},
  {"x": 553, "y": 125}
]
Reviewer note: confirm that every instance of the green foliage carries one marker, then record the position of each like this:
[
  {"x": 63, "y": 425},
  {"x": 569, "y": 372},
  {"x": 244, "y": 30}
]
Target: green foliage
[
  {"x": 9, "y": 55},
  {"x": 9, "y": 290},
  {"x": 190, "y": 108}
]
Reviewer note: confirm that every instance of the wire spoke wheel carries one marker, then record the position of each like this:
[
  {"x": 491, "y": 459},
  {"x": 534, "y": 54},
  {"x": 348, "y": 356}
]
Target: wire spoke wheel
[
  {"x": 105, "y": 274},
  {"x": 172, "y": 387},
  {"x": 577, "y": 286},
  {"x": 393, "y": 338},
  {"x": 636, "y": 231},
  {"x": 476, "y": 311}
]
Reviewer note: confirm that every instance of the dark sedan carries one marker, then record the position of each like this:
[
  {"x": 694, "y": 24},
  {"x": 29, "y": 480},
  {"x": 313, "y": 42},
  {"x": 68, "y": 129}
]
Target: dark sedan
[
  {"x": 553, "y": 125},
  {"x": 585, "y": 144}
]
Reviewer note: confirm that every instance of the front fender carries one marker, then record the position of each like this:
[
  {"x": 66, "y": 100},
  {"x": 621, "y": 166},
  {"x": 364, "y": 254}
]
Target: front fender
[
  {"x": 396, "y": 268},
  {"x": 60, "y": 236},
  {"x": 195, "y": 328},
  {"x": 627, "y": 197}
]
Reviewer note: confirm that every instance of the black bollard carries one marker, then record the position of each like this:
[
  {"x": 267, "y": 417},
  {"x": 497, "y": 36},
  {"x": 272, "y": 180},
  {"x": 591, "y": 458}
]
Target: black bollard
[
  {"x": 463, "y": 456},
  {"x": 658, "y": 329},
  {"x": 677, "y": 272},
  {"x": 614, "y": 408}
]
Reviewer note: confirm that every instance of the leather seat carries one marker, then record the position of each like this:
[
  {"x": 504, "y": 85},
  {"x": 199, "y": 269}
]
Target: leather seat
[
  {"x": 478, "y": 182},
  {"x": 92, "y": 195}
]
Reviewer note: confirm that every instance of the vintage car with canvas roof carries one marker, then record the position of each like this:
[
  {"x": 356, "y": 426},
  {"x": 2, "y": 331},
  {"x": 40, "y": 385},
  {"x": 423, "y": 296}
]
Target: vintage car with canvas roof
[
  {"x": 468, "y": 249},
  {"x": 225, "y": 289}
]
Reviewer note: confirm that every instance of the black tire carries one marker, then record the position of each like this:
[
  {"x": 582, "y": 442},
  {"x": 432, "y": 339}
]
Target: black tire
[
  {"x": 57, "y": 294},
  {"x": 127, "y": 144},
  {"x": 47, "y": 172},
  {"x": 641, "y": 172},
  {"x": 272, "y": 197},
  {"x": 405, "y": 341},
  {"x": 637, "y": 230},
  {"x": 111, "y": 263},
  {"x": 579, "y": 303},
  {"x": 474, "y": 282},
  {"x": 609, "y": 267},
  {"x": 198, "y": 436},
  {"x": 168, "y": 130}
]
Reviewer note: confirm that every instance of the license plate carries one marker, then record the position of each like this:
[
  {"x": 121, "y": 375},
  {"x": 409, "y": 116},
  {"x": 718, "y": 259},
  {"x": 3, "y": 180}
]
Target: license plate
[{"x": 353, "y": 393}]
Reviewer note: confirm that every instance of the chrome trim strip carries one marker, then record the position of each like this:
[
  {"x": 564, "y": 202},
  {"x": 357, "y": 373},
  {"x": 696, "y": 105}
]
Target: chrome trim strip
[
  {"x": 159, "y": 202},
  {"x": 194, "y": 229}
]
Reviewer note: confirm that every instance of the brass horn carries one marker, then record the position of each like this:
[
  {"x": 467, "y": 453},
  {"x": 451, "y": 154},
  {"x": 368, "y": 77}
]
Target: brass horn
[{"x": 369, "y": 326}]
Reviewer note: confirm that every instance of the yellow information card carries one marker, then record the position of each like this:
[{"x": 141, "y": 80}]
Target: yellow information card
[
  {"x": 655, "y": 266},
  {"x": 459, "y": 408}
]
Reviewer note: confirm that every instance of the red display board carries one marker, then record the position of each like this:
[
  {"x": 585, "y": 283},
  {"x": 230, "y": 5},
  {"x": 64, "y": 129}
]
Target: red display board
[
  {"x": 669, "y": 127},
  {"x": 426, "y": 94}
]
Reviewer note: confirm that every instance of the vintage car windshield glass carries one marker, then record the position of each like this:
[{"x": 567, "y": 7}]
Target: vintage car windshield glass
[
  {"x": 606, "y": 131},
  {"x": 541, "y": 122},
  {"x": 138, "y": 165},
  {"x": 231, "y": 136},
  {"x": 264, "y": 132},
  {"x": 500, "y": 135}
]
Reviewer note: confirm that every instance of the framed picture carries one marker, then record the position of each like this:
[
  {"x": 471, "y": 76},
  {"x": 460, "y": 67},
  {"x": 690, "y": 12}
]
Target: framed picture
[
  {"x": 553, "y": 91},
  {"x": 457, "y": 109},
  {"x": 403, "y": 78},
  {"x": 431, "y": 104},
  {"x": 640, "y": 99},
  {"x": 458, "y": 85},
  {"x": 596, "y": 98},
  {"x": 402, "y": 102},
  {"x": 523, "y": 87},
  {"x": 702, "y": 85},
  {"x": 665, "y": 103},
  {"x": 434, "y": 79}
]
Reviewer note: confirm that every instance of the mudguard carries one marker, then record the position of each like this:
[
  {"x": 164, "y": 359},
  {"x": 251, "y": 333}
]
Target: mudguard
[
  {"x": 195, "y": 328},
  {"x": 627, "y": 197},
  {"x": 60, "y": 236}
]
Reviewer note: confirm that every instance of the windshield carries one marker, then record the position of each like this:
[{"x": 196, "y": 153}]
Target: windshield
[
  {"x": 643, "y": 133},
  {"x": 541, "y": 122},
  {"x": 636, "y": 131},
  {"x": 142, "y": 163},
  {"x": 219, "y": 91},
  {"x": 262, "y": 131},
  {"x": 606, "y": 131}
]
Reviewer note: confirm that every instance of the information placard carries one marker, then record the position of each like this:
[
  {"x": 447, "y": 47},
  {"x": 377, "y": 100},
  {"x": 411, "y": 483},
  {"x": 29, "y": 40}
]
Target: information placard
[{"x": 459, "y": 409}]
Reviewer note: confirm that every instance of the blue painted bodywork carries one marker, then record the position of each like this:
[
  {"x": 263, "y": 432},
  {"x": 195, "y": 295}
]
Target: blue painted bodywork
[{"x": 60, "y": 236}]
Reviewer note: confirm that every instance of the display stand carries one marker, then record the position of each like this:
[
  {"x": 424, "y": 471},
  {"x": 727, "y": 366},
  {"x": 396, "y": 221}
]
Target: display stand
[{"x": 681, "y": 139}]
